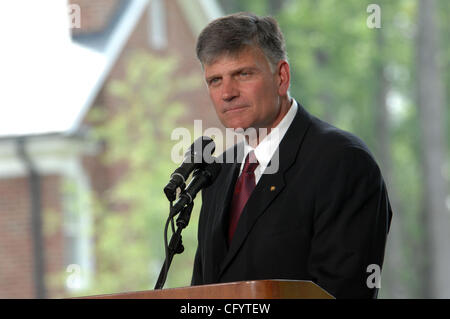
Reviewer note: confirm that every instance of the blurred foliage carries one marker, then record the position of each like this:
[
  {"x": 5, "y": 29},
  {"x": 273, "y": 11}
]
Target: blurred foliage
[
  {"x": 130, "y": 217},
  {"x": 335, "y": 59}
]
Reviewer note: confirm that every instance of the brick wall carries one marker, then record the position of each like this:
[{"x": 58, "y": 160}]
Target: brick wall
[
  {"x": 95, "y": 14},
  {"x": 16, "y": 260},
  {"x": 182, "y": 43},
  {"x": 16, "y": 257}
]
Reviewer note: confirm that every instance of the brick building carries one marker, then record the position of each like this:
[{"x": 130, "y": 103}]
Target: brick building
[{"x": 42, "y": 142}]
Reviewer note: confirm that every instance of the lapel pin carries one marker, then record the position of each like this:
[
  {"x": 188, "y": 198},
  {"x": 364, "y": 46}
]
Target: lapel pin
[{"x": 272, "y": 188}]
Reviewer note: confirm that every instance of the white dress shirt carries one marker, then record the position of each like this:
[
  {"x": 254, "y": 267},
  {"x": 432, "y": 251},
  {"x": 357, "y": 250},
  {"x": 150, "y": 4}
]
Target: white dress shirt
[{"x": 267, "y": 147}]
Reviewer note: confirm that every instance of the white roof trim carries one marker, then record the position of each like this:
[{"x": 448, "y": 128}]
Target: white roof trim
[
  {"x": 52, "y": 81},
  {"x": 50, "y": 154},
  {"x": 74, "y": 75},
  {"x": 212, "y": 9},
  {"x": 115, "y": 46},
  {"x": 199, "y": 13}
]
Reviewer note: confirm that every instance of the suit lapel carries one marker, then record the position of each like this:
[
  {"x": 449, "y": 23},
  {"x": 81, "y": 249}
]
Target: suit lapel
[
  {"x": 219, "y": 245},
  {"x": 270, "y": 185}
]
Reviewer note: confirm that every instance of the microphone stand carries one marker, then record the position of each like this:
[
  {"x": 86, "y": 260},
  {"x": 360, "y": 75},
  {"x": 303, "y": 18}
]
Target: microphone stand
[{"x": 175, "y": 245}]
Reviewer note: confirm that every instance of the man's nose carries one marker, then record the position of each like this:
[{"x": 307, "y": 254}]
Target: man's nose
[{"x": 229, "y": 90}]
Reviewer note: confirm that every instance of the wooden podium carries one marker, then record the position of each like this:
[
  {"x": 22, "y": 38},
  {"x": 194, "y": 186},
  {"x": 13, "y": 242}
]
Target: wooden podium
[{"x": 260, "y": 289}]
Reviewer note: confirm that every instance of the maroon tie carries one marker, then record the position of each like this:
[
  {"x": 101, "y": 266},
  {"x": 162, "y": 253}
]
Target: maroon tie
[{"x": 242, "y": 191}]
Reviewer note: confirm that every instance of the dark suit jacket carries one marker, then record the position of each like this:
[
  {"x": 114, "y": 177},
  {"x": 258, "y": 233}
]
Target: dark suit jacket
[{"x": 323, "y": 217}]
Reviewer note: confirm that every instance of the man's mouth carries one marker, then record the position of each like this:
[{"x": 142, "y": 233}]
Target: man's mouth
[{"x": 234, "y": 108}]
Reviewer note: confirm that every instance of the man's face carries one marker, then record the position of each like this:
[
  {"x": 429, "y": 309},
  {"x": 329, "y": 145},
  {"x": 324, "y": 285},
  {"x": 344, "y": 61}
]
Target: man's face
[{"x": 244, "y": 90}]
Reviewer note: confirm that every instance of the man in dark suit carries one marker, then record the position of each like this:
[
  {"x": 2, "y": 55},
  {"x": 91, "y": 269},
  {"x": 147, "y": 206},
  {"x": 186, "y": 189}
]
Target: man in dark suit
[{"x": 323, "y": 214}]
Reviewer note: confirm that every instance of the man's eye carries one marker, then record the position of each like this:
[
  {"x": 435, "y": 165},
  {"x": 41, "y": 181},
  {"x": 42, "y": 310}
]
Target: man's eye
[{"x": 214, "y": 81}]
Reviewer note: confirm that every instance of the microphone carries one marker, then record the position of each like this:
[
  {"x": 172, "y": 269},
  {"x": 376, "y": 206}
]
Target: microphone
[
  {"x": 202, "y": 178},
  {"x": 197, "y": 155}
]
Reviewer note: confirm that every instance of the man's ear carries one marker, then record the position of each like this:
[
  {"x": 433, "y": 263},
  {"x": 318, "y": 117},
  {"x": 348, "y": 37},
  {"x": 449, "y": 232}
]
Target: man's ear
[{"x": 284, "y": 77}]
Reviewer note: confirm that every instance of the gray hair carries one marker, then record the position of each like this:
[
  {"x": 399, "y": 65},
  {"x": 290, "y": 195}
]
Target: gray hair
[{"x": 233, "y": 33}]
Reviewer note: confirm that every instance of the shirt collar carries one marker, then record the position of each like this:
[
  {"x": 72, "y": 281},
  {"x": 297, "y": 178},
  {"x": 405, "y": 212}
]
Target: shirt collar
[{"x": 267, "y": 147}]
